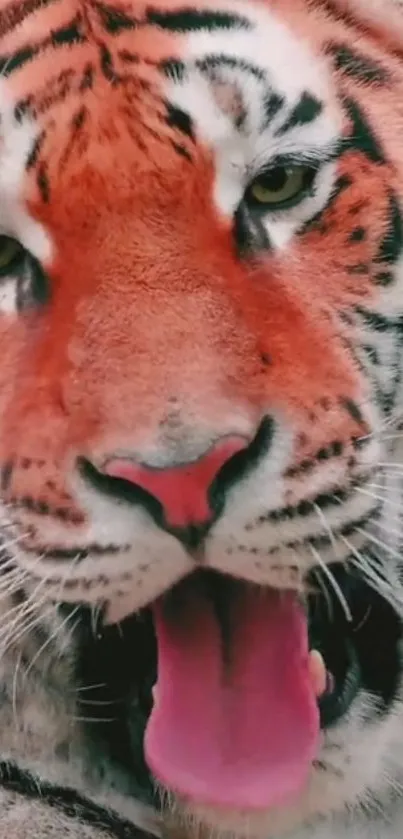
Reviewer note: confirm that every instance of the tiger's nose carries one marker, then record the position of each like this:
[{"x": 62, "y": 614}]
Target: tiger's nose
[{"x": 183, "y": 490}]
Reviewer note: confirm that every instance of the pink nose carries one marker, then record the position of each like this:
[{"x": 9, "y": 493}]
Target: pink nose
[{"x": 183, "y": 490}]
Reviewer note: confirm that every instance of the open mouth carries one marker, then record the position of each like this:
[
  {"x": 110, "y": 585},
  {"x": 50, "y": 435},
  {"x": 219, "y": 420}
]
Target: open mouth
[
  {"x": 240, "y": 696},
  {"x": 233, "y": 685}
]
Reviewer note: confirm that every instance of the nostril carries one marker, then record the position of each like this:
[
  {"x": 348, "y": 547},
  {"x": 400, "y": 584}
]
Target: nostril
[{"x": 183, "y": 498}]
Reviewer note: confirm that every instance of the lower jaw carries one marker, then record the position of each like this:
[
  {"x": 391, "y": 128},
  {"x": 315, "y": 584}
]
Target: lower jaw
[{"x": 341, "y": 643}]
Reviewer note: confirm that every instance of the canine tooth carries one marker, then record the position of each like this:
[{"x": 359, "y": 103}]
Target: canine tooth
[{"x": 317, "y": 671}]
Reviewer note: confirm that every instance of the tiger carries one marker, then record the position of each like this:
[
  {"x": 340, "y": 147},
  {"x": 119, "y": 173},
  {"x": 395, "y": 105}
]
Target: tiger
[{"x": 201, "y": 401}]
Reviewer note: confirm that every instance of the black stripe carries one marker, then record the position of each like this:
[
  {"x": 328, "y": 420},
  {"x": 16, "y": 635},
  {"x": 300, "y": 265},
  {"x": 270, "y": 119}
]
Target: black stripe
[
  {"x": 217, "y": 60},
  {"x": 76, "y": 124},
  {"x": 33, "y": 156},
  {"x": 51, "y": 93},
  {"x": 69, "y": 802},
  {"x": 181, "y": 150},
  {"x": 272, "y": 104},
  {"x": 307, "y": 109},
  {"x": 17, "y": 12},
  {"x": 353, "y": 410},
  {"x": 379, "y": 323},
  {"x": 384, "y": 278},
  {"x": 305, "y": 508},
  {"x": 391, "y": 246},
  {"x": 361, "y": 268},
  {"x": 323, "y": 540},
  {"x": 179, "y": 119},
  {"x": 173, "y": 68},
  {"x": 76, "y": 553},
  {"x": 318, "y": 221},
  {"x": 6, "y": 473},
  {"x": 114, "y": 20},
  {"x": 42, "y": 180},
  {"x": 357, "y": 66},
  {"x": 42, "y": 508},
  {"x": 106, "y": 64},
  {"x": 189, "y": 19},
  {"x": 361, "y": 136},
  {"x": 65, "y": 36},
  {"x": 87, "y": 79},
  {"x": 372, "y": 354},
  {"x": 333, "y": 9},
  {"x": 359, "y": 234}
]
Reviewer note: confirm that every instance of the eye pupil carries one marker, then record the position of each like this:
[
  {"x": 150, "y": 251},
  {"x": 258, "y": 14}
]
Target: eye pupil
[{"x": 275, "y": 180}]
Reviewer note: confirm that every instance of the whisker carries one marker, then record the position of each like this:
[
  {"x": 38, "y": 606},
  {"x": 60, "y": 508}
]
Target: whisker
[
  {"x": 93, "y": 719},
  {"x": 325, "y": 592},
  {"x": 23, "y": 612},
  {"x": 49, "y": 640},
  {"x": 95, "y": 613},
  {"x": 83, "y": 688},
  {"x": 391, "y": 516},
  {"x": 99, "y": 702},
  {"x": 378, "y": 497},
  {"x": 20, "y": 610},
  {"x": 67, "y": 576},
  {"x": 333, "y": 582},
  {"x": 380, "y": 584},
  {"x": 328, "y": 529},
  {"x": 69, "y": 638},
  {"x": 388, "y": 529},
  {"x": 379, "y": 543},
  {"x": 14, "y": 689},
  {"x": 23, "y": 630}
]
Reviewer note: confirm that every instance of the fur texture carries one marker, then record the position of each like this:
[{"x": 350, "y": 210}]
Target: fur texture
[{"x": 151, "y": 311}]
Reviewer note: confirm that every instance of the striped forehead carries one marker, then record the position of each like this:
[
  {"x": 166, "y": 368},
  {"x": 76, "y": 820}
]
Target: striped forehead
[
  {"x": 249, "y": 85},
  {"x": 254, "y": 93}
]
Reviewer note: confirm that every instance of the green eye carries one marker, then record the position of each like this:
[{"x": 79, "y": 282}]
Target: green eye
[
  {"x": 10, "y": 252},
  {"x": 282, "y": 186}
]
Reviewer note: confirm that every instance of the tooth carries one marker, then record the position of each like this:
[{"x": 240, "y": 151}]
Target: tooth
[{"x": 317, "y": 671}]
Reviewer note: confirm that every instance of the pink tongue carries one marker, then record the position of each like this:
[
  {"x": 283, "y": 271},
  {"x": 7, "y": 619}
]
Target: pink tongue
[{"x": 235, "y": 722}]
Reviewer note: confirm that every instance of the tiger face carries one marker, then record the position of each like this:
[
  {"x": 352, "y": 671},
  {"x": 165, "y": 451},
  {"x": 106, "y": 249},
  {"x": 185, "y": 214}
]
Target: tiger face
[{"x": 200, "y": 296}]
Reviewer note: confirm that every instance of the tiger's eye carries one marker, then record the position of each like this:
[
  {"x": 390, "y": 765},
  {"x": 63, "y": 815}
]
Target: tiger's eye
[{"x": 281, "y": 185}]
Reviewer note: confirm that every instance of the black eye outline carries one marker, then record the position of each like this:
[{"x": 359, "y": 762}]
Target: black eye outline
[
  {"x": 17, "y": 258},
  {"x": 307, "y": 174}
]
